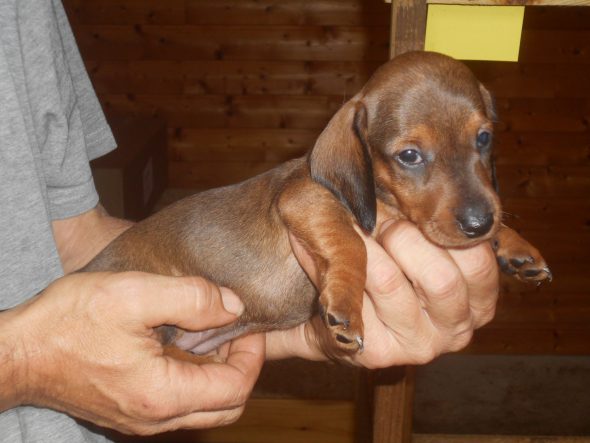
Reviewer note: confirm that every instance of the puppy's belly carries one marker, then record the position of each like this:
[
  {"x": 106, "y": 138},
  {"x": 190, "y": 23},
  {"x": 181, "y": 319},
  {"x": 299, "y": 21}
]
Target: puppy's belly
[{"x": 285, "y": 299}]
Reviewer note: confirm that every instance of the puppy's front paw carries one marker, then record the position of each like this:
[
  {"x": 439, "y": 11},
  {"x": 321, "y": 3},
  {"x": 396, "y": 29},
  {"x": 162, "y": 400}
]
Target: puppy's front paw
[
  {"x": 344, "y": 325},
  {"x": 517, "y": 257}
]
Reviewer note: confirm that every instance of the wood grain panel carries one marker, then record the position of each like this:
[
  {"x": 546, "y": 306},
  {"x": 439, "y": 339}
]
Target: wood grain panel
[
  {"x": 534, "y": 80},
  {"x": 230, "y": 77},
  {"x": 152, "y": 42},
  {"x": 216, "y": 111},
  {"x": 542, "y": 148},
  {"x": 120, "y": 12},
  {"x": 550, "y": 18},
  {"x": 555, "y": 46},
  {"x": 534, "y": 181},
  {"x": 230, "y": 12},
  {"x": 288, "y": 12}
]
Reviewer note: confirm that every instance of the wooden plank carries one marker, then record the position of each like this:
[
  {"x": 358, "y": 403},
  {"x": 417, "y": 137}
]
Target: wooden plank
[
  {"x": 542, "y": 148},
  {"x": 237, "y": 144},
  {"x": 229, "y": 12},
  {"x": 544, "y": 307},
  {"x": 534, "y": 181},
  {"x": 533, "y": 80},
  {"x": 555, "y": 46},
  {"x": 204, "y": 175},
  {"x": 217, "y": 111},
  {"x": 547, "y": 17},
  {"x": 288, "y": 12},
  {"x": 229, "y": 77},
  {"x": 150, "y": 42},
  {"x": 272, "y": 420},
  {"x": 564, "y": 214},
  {"x": 119, "y": 12},
  {"x": 543, "y": 115},
  {"x": 531, "y": 340}
]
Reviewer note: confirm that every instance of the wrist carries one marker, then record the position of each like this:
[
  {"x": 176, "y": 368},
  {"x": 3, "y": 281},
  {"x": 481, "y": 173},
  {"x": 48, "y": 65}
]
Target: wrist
[{"x": 13, "y": 361}]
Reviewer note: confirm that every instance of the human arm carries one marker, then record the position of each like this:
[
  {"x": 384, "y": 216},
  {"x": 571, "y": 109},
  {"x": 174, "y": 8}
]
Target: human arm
[
  {"x": 80, "y": 238},
  {"x": 420, "y": 300},
  {"x": 86, "y": 346}
]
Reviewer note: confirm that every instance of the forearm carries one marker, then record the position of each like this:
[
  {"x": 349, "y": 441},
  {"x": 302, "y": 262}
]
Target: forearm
[
  {"x": 80, "y": 238},
  {"x": 12, "y": 361}
]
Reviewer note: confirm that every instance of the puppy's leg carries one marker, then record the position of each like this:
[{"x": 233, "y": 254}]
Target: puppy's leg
[
  {"x": 326, "y": 230},
  {"x": 518, "y": 257}
]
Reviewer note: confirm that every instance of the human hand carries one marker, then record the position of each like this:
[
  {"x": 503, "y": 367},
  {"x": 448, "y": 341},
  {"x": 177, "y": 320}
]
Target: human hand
[
  {"x": 420, "y": 300},
  {"x": 86, "y": 346}
]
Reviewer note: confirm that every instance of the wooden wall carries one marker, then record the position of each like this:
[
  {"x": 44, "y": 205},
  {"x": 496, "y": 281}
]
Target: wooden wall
[{"x": 245, "y": 84}]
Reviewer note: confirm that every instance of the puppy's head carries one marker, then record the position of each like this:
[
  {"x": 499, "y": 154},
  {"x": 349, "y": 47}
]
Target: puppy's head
[{"x": 418, "y": 136}]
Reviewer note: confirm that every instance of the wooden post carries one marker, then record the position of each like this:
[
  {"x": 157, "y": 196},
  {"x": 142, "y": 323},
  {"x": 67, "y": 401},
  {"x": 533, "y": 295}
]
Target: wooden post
[
  {"x": 408, "y": 26},
  {"x": 393, "y": 394},
  {"x": 393, "y": 405}
]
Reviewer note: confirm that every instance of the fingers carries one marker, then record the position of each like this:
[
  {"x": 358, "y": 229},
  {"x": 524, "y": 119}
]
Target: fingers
[
  {"x": 479, "y": 269},
  {"x": 191, "y": 303},
  {"x": 390, "y": 291},
  {"x": 212, "y": 387},
  {"x": 436, "y": 278}
]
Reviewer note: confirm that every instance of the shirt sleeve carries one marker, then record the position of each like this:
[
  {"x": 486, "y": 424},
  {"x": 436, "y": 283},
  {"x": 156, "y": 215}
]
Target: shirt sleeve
[{"x": 67, "y": 119}]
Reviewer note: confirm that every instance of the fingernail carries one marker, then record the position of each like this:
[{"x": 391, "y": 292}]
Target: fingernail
[{"x": 231, "y": 302}]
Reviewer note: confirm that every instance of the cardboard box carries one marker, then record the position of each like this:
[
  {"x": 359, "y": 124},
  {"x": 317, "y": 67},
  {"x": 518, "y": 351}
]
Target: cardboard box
[{"x": 132, "y": 178}]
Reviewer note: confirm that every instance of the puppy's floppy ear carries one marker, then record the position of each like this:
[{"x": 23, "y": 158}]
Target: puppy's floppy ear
[
  {"x": 489, "y": 103},
  {"x": 341, "y": 161}
]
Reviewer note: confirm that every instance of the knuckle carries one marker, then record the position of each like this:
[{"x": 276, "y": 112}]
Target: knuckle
[
  {"x": 486, "y": 316},
  {"x": 386, "y": 280},
  {"x": 425, "y": 354},
  {"x": 461, "y": 340},
  {"x": 146, "y": 408},
  {"x": 204, "y": 295},
  {"x": 447, "y": 280}
]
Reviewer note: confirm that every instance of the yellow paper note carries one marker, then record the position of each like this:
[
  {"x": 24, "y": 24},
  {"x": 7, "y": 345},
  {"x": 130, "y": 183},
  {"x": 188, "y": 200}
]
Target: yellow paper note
[{"x": 475, "y": 32}]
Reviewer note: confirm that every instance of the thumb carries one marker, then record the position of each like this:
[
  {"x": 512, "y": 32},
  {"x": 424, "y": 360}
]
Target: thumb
[{"x": 192, "y": 303}]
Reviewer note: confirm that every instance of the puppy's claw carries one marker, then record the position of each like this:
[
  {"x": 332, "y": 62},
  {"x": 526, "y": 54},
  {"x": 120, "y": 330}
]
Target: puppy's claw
[
  {"x": 359, "y": 341},
  {"x": 549, "y": 274}
]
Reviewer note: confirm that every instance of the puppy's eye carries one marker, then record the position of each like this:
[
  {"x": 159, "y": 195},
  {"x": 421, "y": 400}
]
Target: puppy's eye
[
  {"x": 410, "y": 157},
  {"x": 483, "y": 140}
]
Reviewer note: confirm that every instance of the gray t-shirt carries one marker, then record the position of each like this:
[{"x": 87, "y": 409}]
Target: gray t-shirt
[{"x": 51, "y": 124}]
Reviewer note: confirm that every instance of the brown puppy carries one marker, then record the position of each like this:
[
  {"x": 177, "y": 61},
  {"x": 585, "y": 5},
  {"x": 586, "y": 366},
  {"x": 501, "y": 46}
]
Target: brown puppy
[{"x": 414, "y": 143}]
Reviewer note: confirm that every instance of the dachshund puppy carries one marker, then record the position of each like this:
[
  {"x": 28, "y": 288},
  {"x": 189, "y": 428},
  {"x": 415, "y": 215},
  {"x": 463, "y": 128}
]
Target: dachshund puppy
[{"x": 415, "y": 143}]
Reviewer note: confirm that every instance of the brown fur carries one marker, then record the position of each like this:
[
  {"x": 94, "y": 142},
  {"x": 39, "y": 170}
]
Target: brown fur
[{"x": 237, "y": 236}]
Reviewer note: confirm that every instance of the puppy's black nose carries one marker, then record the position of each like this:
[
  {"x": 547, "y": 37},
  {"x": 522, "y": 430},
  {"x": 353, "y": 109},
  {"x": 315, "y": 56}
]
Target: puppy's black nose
[{"x": 475, "y": 222}]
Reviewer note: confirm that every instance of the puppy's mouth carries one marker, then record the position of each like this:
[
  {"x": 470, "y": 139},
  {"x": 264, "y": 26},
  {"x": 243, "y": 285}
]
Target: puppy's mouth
[{"x": 451, "y": 234}]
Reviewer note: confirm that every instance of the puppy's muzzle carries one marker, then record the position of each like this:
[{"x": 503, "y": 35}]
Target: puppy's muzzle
[{"x": 475, "y": 221}]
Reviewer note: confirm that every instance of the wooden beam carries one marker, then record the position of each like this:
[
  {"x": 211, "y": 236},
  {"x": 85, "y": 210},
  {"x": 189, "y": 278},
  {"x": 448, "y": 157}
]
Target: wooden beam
[
  {"x": 393, "y": 405},
  {"x": 408, "y": 26}
]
